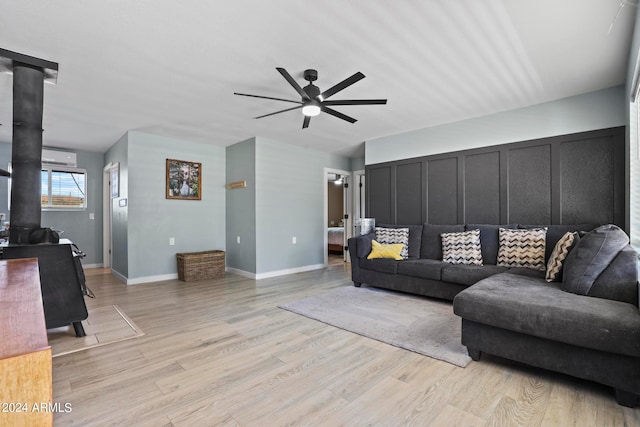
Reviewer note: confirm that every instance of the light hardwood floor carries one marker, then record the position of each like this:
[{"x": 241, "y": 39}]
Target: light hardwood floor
[{"x": 220, "y": 352}]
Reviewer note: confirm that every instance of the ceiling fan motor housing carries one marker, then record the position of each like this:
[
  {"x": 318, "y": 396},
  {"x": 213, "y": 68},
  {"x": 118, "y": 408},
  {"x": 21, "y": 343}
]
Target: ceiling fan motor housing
[
  {"x": 310, "y": 75},
  {"x": 311, "y": 90}
]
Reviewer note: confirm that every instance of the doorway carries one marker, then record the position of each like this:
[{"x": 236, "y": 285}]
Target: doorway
[{"x": 337, "y": 215}]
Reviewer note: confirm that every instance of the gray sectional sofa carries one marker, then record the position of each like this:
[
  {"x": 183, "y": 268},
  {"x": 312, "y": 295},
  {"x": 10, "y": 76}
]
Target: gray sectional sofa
[{"x": 587, "y": 325}]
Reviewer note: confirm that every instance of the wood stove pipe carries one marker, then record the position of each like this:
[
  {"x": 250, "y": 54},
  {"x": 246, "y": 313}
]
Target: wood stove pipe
[
  {"x": 26, "y": 154},
  {"x": 29, "y": 75}
]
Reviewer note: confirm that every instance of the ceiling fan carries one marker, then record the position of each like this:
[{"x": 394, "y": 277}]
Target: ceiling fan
[{"x": 313, "y": 101}]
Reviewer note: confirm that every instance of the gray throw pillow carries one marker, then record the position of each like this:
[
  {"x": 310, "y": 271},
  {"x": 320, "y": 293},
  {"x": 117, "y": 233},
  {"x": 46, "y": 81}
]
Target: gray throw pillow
[{"x": 591, "y": 256}]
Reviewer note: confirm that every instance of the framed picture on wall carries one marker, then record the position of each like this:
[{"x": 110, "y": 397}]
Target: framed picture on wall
[
  {"x": 184, "y": 180},
  {"x": 115, "y": 181}
]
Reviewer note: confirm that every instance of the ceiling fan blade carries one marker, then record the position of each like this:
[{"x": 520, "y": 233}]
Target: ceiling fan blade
[
  {"x": 293, "y": 83},
  {"x": 267, "y": 97},
  {"x": 342, "y": 85},
  {"x": 356, "y": 102},
  {"x": 338, "y": 114},
  {"x": 278, "y": 112},
  {"x": 305, "y": 123}
]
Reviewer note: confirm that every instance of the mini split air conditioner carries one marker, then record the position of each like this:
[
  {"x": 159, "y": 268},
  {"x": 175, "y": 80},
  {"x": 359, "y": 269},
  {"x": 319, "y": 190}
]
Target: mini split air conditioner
[{"x": 61, "y": 158}]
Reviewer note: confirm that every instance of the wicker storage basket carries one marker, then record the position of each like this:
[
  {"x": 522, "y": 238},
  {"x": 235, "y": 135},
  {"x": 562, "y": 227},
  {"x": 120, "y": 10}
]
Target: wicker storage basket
[{"x": 200, "y": 265}]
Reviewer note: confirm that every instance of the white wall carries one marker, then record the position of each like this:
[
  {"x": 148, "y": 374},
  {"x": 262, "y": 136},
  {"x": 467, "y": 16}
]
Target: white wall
[{"x": 595, "y": 110}]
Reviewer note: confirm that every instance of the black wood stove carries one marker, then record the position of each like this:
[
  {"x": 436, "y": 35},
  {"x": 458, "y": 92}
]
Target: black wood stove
[{"x": 61, "y": 275}]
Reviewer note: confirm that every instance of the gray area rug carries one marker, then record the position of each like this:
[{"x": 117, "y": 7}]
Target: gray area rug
[{"x": 414, "y": 323}]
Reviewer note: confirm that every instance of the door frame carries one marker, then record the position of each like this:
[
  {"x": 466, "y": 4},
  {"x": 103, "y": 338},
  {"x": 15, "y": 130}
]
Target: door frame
[
  {"x": 347, "y": 209},
  {"x": 107, "y": 216},
  {"x": 358, "y": 194}
]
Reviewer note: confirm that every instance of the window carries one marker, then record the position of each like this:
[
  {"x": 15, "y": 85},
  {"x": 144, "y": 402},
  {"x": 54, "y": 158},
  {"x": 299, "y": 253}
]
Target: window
[{"x": 63, "y": 188}]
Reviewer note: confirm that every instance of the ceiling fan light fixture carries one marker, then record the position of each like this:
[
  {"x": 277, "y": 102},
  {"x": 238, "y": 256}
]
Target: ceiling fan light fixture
[{"x": 311, "y": 109}]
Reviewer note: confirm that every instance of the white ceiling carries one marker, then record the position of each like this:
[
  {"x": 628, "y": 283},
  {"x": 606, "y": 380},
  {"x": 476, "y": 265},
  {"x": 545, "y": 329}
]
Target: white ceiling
[{"x": 170, "y": 67}]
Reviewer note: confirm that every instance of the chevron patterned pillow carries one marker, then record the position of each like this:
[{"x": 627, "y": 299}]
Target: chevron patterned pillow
[
  {"x": 559, "y": 254},
  {"x": 462, "y": 247},
  {"x": 391, "y": 236},
  {"x": 522, "y": 248}
]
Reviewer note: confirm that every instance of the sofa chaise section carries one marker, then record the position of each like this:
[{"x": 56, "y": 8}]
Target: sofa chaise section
[{"x": 590, "y": 331}]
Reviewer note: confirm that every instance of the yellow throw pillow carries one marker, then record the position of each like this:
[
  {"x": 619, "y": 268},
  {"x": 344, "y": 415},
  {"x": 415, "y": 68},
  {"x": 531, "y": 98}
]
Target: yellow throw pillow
[{"x": 379, "y": 250}]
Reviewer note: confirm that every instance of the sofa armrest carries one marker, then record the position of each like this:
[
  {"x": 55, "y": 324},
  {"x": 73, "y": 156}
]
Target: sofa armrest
[{"x": 359, "y": 248}]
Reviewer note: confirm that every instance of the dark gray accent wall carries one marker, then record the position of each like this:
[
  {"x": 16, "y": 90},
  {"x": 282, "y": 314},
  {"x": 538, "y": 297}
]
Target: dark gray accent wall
[{"x": 566, "y": 179}]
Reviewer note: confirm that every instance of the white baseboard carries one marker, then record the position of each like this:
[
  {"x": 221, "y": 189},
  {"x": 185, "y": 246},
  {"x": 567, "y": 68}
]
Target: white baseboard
[
  {"x": 276, "y": 273},
  {"x": 173, "y": 276},
  {"x": 93, "y": 265},
  {"x": 240, "y": 272},
  {"x": 145, "y": 279},
  {"x": 119, "y": 276},
  {"x": 149, "y": 279}
]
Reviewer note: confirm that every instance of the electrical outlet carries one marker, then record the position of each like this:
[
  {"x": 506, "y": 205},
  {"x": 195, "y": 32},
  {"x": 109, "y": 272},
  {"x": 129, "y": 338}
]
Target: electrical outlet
[{"x": 172, "y": 241}]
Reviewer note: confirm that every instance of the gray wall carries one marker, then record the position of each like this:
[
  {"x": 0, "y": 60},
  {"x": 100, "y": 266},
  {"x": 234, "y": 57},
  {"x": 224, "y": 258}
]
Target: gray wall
[
  {"x": 119, "y": 153},
  {"x": 241, "y": 206},
  {"x": 77, "y": 226},
  {"x": 284, "y": 198},
  {"x": 290, "y": 185},
  {"x": 196, "y": 225},
  {"x": 567, "y": 179},
  {"x": 357, "y": 164},
  {"x": 595, "y": 110}
]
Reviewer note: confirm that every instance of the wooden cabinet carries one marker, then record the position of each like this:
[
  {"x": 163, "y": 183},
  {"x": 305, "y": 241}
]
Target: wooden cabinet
[{"x": 26, "y": 390}]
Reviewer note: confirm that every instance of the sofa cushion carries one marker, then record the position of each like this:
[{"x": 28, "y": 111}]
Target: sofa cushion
[
  {"x": 591, "y": 256},
  {"x": 619, "y": 281},
  {"x": 535, "y": 307},
  {"x": 462, "y": 247},
  {"x": 425, "y": 268},
  {"x": 559, "y": 254},
  {"x": 415, "y": 238},
  {"x": 381, "y": 265},
  {"x": 522, "y": 248},
  {"x": 469, "y": 274},
  {"x": 523, "y": 271},
  {"x": 431, "y": 244},
  {"x": 489, "y": 240},
  {"x": 556, "y": 231},
  {"x": 390, "y": 236},
  {"x": 391, "y": 251}
]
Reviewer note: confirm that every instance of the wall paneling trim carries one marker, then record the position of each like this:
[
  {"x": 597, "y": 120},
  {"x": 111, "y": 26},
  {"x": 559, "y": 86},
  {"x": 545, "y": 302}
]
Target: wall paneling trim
[{"x": 566, "y": 179}]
